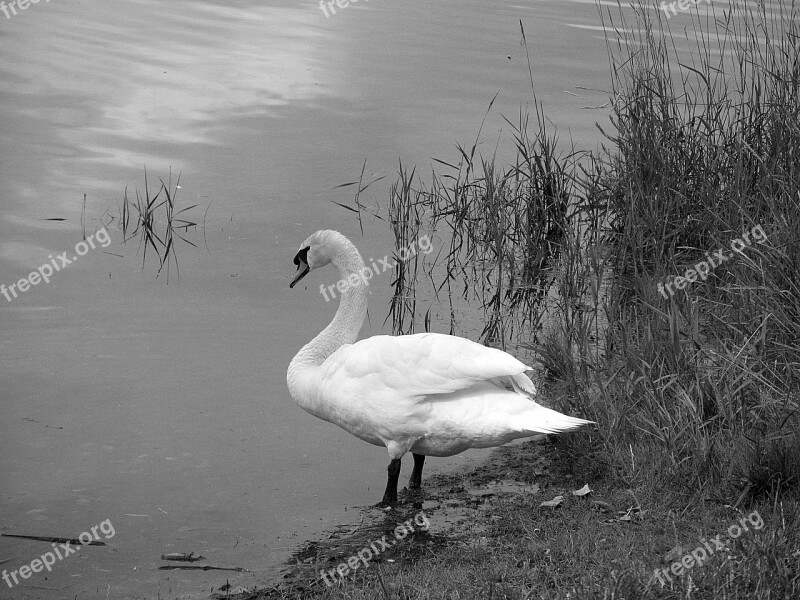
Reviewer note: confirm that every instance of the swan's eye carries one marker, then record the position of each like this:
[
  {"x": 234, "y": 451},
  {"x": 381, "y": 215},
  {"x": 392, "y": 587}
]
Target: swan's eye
[{"x": 302, "y": 256}]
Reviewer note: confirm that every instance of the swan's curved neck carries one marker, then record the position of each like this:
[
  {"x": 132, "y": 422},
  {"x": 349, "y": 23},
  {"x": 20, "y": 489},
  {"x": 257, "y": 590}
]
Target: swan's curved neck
[{"x": 349, "y": 317}]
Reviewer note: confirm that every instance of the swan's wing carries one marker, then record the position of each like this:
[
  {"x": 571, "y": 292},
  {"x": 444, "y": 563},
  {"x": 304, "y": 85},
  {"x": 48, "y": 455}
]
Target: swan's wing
[{"x": 420, "y": 365}]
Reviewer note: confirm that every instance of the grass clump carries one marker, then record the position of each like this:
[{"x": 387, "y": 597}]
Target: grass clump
[
  {"x": 704, "y": 156},
  {"x": 503, "y": 231},
  {"x": 156, "y": 222}
]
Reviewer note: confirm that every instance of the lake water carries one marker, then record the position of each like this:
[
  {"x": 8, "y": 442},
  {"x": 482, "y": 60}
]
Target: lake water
[{"x": 161, "y": 406}]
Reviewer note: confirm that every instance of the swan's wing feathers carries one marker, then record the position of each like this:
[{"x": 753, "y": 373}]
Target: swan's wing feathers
[{"x": 425, "y": 364}]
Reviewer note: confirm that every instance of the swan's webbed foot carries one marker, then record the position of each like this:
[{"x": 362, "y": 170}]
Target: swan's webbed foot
[
  {"x": 416, "y": 475},
  {"x": 390, "y": 495}
]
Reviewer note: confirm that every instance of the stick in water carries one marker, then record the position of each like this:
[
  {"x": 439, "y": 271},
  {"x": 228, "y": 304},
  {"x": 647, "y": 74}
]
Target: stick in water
[{"x": 44, "y": 538}]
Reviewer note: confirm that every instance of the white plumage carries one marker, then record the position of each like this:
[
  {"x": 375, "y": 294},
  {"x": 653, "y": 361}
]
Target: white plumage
[{"x": 429, "y": 393}]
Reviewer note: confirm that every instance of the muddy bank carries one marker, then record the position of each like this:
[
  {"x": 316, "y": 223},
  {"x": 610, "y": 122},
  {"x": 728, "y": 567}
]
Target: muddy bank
[{"x": 452, "y": 509}]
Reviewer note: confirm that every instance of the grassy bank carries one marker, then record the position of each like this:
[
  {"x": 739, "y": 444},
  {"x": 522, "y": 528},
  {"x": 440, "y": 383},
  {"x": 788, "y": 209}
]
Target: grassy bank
[{"x": 658, "y": 284}]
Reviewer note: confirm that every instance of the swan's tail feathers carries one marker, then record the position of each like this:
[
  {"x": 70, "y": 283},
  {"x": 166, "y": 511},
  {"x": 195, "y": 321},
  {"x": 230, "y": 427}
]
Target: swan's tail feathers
[{"x": 546, "y": 420}]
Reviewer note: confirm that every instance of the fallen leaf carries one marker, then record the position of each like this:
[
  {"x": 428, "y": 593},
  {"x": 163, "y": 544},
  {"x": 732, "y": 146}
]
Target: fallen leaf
[
  {"x": 553, "y": 503},
  {"x": 603, "y": 506},
  {"x": 583, "y": 491},
  {"x": 630, "y": 513}
]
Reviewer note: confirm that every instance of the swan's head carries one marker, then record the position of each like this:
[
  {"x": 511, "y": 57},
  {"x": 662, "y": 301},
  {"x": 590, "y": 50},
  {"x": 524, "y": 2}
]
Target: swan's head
[{"x": 318, "y": 250}]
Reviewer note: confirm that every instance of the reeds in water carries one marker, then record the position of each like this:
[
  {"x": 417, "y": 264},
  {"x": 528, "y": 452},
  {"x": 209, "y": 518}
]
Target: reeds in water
[{"x": 156, "y": 222}]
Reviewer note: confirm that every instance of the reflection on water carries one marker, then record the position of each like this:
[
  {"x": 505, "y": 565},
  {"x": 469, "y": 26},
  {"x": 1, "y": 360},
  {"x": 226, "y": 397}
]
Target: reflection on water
[
  {"x": 163, "y": 407},
  {"x": 113, "y": 78}
]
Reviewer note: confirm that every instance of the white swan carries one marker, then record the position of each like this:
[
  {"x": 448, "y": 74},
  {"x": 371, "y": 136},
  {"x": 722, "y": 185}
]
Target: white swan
[{"x": 429, "y": 393}]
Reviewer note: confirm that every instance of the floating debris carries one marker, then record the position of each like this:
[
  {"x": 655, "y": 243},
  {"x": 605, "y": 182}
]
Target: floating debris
[
  {"x": 200, "y": 568},
  {"x": 182, "y": 556},
  {"x": 60, "y": 540}
]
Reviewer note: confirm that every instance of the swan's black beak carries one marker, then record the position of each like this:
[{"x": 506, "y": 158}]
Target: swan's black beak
[{"x": 301, "y": 260}]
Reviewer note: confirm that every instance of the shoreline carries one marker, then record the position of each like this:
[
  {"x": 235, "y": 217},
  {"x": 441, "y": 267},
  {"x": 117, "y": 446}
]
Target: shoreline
[{"x": 456, "y": 505}]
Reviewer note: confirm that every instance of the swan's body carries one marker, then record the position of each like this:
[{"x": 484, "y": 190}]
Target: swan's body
[{"x": 430, "y": 394}]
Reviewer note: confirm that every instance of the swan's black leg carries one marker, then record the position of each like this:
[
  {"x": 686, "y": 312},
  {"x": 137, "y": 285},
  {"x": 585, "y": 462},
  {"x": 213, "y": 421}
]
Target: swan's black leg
[
  {"x": 390, "y": 495},
  {"x": 416, "y": 475}
]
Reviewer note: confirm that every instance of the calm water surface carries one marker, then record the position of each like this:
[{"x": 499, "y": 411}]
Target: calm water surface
[{"x": 163, "y": 407}]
